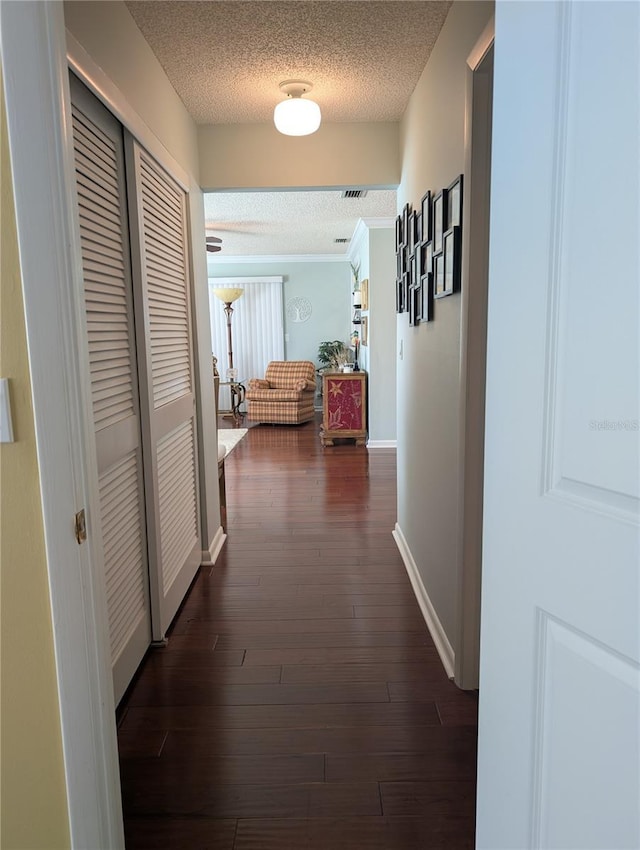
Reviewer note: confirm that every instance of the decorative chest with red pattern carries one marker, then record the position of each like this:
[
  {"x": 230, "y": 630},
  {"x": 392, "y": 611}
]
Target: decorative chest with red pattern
[{"x": 344, "y": 405}]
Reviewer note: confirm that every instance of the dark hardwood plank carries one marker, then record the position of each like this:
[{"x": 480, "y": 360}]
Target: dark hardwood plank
[
  {"x": 192, "y": 657},
  {"x": 161, "y": 684},
  {"x": 311, "y": 626},
  {"x": 301, "y": 716},
  {"x": 178, "y": 833},
  {"x": 141, "y": 742},
  {"x": 449, "y": 753},
  {"x": 340, "y": 655},
  {"x": 429, "y": 799},
  {"x": 259, "y": 801},
  {"x": 380, "y": 833},
  {"x": 332, "y": 673},
  {"x": 194, "y": 744},
  {"x": 185, "y": 690},
  {"x": 326, "y": 640}
]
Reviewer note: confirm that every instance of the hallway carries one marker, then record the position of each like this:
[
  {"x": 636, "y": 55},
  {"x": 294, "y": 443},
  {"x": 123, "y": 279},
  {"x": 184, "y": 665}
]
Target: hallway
[{"x": 300, "y": 702}]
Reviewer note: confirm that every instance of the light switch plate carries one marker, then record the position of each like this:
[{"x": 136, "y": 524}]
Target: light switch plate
[{"x": 6, "y": 428}]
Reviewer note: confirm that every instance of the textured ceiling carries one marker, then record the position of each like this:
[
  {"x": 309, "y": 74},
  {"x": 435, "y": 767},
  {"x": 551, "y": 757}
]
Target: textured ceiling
[
  {"x": 226, "y": 59},
  {"x": 284, "y": 223}
]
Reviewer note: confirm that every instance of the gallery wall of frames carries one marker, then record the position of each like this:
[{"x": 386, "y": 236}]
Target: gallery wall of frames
[{"x": 428, "y": 252}]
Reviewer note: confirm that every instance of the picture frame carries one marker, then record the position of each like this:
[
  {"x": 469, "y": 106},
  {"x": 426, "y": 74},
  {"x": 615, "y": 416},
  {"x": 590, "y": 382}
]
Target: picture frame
[
  {"x": 438, "y": 276},
  {"x": 405, "y": 291},
  {"x": 413, "y": 293},
  {"x": 439, "y": 219},
  {"x": 454, "y": 203},
  {"x": 364, "y": 294},
  {"x": 399, "y": 234},
  {"x": 426, "y": 210},
  {"x": 452, "y": 243},
  {"x": 406, "y": 210},
  {"x": 364, "y": 331},
  {"x": 413, "y": 269},
  {"x": 427, "y": 257},
  {"x": 426, "y": 303},
  {"x": 417, "y": 229},
  {"x": 411, "y": 241}
]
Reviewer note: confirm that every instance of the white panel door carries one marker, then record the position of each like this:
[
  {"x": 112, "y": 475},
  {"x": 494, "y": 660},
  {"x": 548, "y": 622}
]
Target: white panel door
[
  {"x": 559, "y": 688},
  {"x": 106, "y": 263},
  {"x": 163, "y": 304}
]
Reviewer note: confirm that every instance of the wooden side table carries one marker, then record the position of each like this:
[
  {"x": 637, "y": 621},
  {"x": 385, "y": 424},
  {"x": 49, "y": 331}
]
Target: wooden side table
[{"x": 344, "y": 407}]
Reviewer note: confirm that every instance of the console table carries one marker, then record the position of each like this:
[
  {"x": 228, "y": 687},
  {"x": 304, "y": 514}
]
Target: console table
[{"x": 344, "y": 407}]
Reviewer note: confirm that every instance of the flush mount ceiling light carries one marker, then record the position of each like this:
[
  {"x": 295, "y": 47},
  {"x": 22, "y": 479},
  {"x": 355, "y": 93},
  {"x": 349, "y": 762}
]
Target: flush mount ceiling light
[{"x": 295, "y": 116}]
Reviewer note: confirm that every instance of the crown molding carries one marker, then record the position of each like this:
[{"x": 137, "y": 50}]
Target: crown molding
[
  {"x": 212, "y": 262},
  {"x": 363, "y": 226}
]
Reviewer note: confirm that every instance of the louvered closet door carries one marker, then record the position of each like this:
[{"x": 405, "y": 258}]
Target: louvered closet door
[
  {"x": 159, "y": 220},
  {"x": 106, "y": 260}
]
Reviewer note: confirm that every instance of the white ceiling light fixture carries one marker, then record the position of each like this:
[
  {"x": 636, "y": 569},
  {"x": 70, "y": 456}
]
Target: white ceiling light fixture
[{"x": 295, "y": 116}]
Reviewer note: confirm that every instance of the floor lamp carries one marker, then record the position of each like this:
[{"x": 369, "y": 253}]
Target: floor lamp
[{"x": 228, "y": 296}]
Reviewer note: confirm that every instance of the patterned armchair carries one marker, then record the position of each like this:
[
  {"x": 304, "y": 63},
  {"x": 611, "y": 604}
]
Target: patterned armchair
[{"x": 285, "y": 395}]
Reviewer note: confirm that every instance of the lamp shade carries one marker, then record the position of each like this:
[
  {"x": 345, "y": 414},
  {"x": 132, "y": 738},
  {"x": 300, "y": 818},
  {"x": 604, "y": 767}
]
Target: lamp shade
[
  {"x": 297, "y": 117},
  {"x": 229, "y": 294}
]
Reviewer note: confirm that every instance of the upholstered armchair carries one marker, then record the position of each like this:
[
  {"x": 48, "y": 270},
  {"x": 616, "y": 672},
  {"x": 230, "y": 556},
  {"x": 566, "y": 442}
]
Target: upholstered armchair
[{"x": 285, "y": 395}]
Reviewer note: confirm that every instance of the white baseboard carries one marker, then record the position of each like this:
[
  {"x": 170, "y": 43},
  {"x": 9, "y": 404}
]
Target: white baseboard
[
  {"x": 210, "y": 556},
  {"x": 445, "y": 650},
  {"x": 382, "y": 444}
]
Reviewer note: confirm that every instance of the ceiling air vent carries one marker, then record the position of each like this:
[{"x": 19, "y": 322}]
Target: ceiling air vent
[
  {"x": 342, "y": 240},
  {"x": 354, "y": 193}
]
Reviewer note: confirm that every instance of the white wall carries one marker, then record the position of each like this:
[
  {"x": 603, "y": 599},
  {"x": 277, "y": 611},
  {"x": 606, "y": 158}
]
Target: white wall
[
  {"x": 375, "y": 254},
  {"x": 325, "y": 285},
  {"x": 253, "y": 156},
  {"x": 432, "y": 143}
]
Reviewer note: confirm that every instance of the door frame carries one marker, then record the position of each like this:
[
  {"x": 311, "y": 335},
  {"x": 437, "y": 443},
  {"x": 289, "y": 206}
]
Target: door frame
[
  {"x": 471, "y": 403},
  {"x": 36, "y": 80}
]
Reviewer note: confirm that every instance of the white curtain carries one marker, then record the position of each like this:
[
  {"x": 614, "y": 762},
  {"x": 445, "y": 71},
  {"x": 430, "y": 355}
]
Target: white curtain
[{"x": 257, "y": 327}]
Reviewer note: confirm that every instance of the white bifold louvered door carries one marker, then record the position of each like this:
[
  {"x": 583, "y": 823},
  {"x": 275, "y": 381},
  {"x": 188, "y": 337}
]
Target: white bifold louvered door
[
  {"x": 158, "y": 215},
  {"x": 106, "y": 261}
]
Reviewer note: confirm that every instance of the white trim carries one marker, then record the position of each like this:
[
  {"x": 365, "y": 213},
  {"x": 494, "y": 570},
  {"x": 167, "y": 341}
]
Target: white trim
[
  {"x": 445, "y": 650},
  {"x": 473, "y": 344},
  {"x": 221, "y": 258},
  {"x": 38, "y": 112},
  {"x": 113, "y": 98},
  {"x": 230, "y": 281},
  {"x": 363, "y": 226},
  {"x": 210, "y": 557},
  {"x": 382, "y": 444}
]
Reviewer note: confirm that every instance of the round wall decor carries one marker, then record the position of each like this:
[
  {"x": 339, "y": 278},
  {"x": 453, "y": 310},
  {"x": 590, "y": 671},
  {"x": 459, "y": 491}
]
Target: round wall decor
[{"x": 299, "y": 309}]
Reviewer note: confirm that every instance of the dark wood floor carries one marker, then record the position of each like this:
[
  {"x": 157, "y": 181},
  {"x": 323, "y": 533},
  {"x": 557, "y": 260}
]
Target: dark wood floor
[{"x": 300, "y": 703}]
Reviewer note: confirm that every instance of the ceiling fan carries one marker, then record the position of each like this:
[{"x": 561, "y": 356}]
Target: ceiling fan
[{"x": 214, "y": 244}]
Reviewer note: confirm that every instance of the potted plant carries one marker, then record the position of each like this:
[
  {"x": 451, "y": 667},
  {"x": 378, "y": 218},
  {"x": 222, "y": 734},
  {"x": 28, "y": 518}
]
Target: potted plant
[{"x": 333, "y": 355}]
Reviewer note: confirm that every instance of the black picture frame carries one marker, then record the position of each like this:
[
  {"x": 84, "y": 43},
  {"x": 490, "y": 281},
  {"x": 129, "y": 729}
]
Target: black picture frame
[
  {"x": 438, "y": 276},
  {"x": 399, "y": 290},
  {"x": 411, "y": 240},
  {"x": 426, "y": 210},
  {"x": 427, "y": 257},
  {"x": 454, "y": 203},
  {"x": 413, "y": 291},
  {"x": 399, "y": 236},
  {"x": 417, "y": 229},
  {"x": 452, "y": 250},
  {"x": 406, "y": 212},
  {"x": 439, "y": 219},
  {"x": 405, "y": 291},
  {"x": 426, "y": 302}
]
